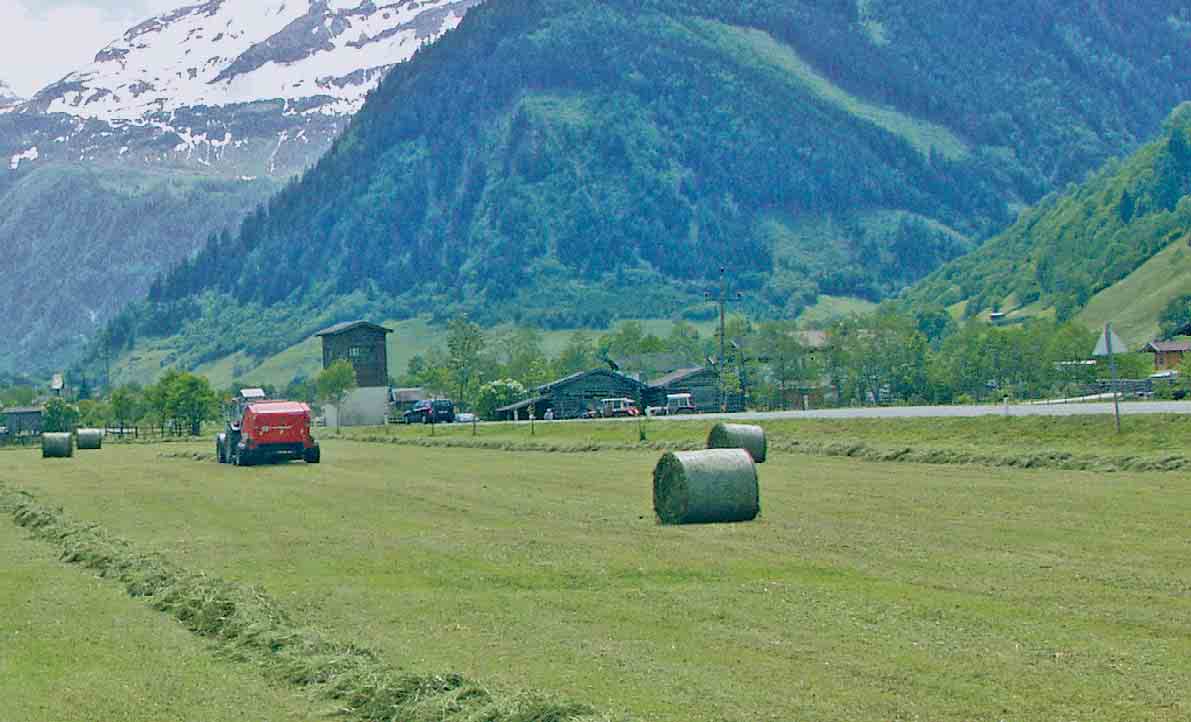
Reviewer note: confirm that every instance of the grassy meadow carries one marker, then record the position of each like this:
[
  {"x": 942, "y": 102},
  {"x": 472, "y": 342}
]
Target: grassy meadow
[
  {"x": 1151, "y": 436},
  {"x": 73, "y": 647},
  {"x": 866, "y": 591}
]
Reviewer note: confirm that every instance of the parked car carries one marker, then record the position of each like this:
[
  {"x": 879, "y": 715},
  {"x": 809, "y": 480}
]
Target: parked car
[
  {"x": 437, "y": 411},
  {"x": 676, "y": 404},
  {"x": 465, "y": 418},
  {"x": 618, "y": 408}
]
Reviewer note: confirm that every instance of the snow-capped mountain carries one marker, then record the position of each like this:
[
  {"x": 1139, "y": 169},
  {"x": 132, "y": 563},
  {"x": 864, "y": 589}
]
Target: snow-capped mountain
[
  {"x": 318, "y": 55},
  {"x": 175, "y": 131},
  {"x": 250, "y": 87},
  {"x": 8, "y": 97}
]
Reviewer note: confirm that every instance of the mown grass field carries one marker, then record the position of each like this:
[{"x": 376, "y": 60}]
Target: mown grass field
[
  {"x": 1152, "y": 436},
  {"x": 73, "y": 647},
  {"x": 865, "y": 592}
]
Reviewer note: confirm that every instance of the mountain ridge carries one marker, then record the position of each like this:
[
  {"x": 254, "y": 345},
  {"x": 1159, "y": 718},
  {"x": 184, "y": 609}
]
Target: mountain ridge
[{"x": 550, "y": 160}]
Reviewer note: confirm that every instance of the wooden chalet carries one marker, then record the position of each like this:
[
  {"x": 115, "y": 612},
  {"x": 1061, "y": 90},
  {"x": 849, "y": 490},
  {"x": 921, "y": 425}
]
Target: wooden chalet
[
  {"x": 575, "y": 395},
  {"x": 362, "y": 343},
  {"x": 1168, "y": 355},
  {"x": 701, "y": 383}
]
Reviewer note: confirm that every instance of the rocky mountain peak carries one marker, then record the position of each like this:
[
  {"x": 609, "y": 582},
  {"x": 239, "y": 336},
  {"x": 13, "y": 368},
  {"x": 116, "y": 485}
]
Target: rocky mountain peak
[{"x": 8, "y": 96}]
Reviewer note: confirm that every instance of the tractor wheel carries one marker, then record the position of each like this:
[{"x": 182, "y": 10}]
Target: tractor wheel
[{"x": 312, "y": 455}]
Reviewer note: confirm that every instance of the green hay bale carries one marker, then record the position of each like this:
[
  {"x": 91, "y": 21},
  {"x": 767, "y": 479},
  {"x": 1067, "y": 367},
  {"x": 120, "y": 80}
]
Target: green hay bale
[
  {"x": 90, "y": 439},
  {"x": 739, "y": 436},
  {"x": 57, "y": 446},
  {"x": 706, "y": 487}
]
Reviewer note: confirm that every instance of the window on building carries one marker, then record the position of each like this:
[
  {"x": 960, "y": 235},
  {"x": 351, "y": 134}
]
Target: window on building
[{"x": 357, "y": 352}]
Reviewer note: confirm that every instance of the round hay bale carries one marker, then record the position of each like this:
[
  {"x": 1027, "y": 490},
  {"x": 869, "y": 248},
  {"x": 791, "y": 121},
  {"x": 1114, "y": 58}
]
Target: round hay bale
[
  {"x": 739, "y": 436},
  {"x": 706, "y": 487},
  {"x": 57, "y": 446},
  {"x": 90, "y": 439}
]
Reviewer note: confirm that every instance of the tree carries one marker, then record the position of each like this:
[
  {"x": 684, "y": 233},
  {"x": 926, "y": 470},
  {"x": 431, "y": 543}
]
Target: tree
[
  {"x": 495, "y": 394},
  {"x": 578, "y": 355},
  {"x": 94, "y": 414},
  {"x": 60, "y": 417},
  {"x": 465, "y": 341},
  {"x": 191, "y": 400},
  {"x": 780, "y": 347},
  {"x": 334, "y": 383},
  {"x": 126, "y": 407},
  {"x": 1176, "y": 316}
]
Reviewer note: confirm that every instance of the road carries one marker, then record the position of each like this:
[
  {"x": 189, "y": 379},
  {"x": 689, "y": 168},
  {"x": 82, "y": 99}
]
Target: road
[{"x": 1131, "y": 408}]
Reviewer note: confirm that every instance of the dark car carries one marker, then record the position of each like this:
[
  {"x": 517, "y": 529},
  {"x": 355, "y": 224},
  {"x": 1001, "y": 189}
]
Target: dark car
[{"x": 438, "y": 411}]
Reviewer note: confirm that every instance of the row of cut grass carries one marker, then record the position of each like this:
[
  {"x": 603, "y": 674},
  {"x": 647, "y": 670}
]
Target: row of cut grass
[{"x": 1066, "y": 442}]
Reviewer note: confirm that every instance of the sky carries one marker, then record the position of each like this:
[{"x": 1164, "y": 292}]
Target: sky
[{"x": 43, "y": 40}]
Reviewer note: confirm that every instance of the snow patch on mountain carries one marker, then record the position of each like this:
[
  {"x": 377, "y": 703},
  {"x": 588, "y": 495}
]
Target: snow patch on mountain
[
  {"x": 8, "y": 96},
  {"x": 30, "y": 155},
  {"x": 318, "y": 56}
]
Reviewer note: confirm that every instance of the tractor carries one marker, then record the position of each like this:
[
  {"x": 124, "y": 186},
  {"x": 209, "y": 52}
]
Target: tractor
[{"x": 259, "y": 431}]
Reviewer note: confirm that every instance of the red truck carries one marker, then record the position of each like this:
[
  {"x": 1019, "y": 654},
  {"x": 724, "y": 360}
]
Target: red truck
[{"x": 264, "y": 431}]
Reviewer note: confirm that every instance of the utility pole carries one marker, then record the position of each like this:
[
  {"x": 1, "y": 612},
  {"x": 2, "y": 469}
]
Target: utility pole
[
  {"x": 1112, "y": 367},
  {"x": 720, "y": 362}
]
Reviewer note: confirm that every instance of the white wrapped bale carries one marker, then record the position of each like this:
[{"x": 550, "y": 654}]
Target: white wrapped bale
[
  {"x": 57, "y": 446},
  {"x": 90, "y": 439},
  {"x": 739, "y": 436},
  {"x": 706, "y": 487}
]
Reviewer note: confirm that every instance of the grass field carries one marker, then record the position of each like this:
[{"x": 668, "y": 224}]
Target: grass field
[
  {"x": 1142, "y": 436},
  {"x": 76, "y": 648},
  {"x": 865, "y": 592}
]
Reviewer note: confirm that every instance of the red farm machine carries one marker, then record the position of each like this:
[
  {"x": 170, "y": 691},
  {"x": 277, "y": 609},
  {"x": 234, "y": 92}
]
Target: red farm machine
[{"x": 260, "y": 431}]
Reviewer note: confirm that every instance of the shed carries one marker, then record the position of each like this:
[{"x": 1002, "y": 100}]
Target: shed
[
  {"x": 701, "y": 383},
  {"x": 24, "y": 421},
  {"x": 1168, "y": 355},
  {"x": 364, "y": 345},
  {"x": 573, "y": 396}
]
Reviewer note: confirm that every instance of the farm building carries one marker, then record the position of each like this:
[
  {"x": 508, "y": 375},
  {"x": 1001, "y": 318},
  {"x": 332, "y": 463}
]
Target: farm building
[
  {"x": 1168, "y": 355},
  {"x": 364, "y": 345},
  {"x": 575, "y": 395},
  {"x": 701, "y": 383},
  {"x": 24, "y": 421}
]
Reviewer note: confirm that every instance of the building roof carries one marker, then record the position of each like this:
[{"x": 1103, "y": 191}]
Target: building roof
[
  {"x": 1169, "y": 347},
  {"x": 522, "y": 404},
  {"x": 25, "y": 410},
  {"x": 582, "y": 374},
  {"x": 351, "y": 326},
  {"x": 677, "y": 376}
]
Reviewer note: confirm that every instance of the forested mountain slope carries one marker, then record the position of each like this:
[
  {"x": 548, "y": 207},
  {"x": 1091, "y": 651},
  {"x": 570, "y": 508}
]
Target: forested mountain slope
[
  {"x": 1063, "y": 255},
  {"x": 559, "y": 162}
]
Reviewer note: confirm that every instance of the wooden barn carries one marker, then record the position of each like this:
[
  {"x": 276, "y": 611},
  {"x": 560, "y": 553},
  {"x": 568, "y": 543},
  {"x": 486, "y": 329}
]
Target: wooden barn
[
  {"x": 23, "y": 421},
  {"x": 362, "y": 343},
  {"x": 575, "y": 395},
  {"x": 701, "y": 383}
]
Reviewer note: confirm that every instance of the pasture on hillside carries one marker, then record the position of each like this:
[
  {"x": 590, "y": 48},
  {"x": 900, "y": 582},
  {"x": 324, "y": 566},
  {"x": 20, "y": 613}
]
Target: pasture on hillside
[{"x": 865, "y": 591}]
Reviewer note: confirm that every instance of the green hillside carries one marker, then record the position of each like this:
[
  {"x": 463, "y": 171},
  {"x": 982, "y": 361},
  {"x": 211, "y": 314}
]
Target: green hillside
[
  {"x": 1111, "y": 250},
  {"x": 101, "y": 239},
  {"x": 561, "y": 163}
]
